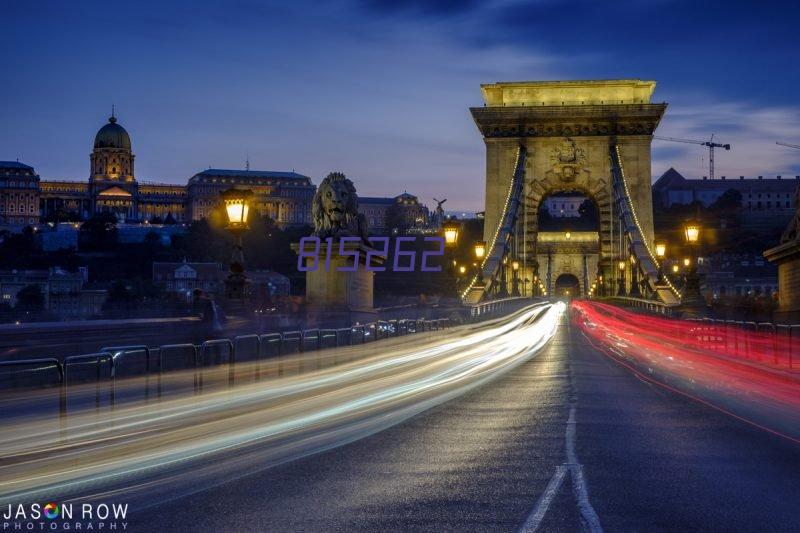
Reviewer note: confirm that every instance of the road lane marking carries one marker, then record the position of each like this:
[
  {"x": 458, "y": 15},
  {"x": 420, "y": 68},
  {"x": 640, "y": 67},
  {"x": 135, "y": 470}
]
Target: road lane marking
[
  {"x": 589, "y": 518},
  {"x": 537, "y": 515}
]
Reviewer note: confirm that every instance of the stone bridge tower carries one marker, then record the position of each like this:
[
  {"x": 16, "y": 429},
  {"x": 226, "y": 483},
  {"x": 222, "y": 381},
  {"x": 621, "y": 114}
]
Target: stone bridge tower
[{"x": 568, "y": 128}]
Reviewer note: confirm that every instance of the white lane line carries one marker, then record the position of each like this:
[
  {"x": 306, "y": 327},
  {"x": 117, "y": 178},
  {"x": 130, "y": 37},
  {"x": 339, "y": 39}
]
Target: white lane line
[
  {"x": 591, "y": 521},
  {"x": 589, "y": 518},
  {"x": 537, "y": 515},
  {"x": 572, "y": 458}
]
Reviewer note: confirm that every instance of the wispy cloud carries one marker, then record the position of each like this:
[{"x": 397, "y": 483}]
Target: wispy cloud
[{"x": 749, "y": 128}]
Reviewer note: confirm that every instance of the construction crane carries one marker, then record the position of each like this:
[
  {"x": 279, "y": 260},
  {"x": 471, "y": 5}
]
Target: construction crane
[
  {"x": 789, "y": 145},
  {"x": 710, "y": 143}
]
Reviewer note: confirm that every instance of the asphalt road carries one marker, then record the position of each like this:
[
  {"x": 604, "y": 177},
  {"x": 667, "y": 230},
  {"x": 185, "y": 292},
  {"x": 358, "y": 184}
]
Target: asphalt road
[{"x": 568, "y": 440}]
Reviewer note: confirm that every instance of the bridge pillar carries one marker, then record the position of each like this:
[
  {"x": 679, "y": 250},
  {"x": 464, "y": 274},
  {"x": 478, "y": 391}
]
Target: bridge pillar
[{"x": 567, "y": 128}]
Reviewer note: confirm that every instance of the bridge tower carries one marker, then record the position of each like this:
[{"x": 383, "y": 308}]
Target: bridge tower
[{"x": 567, "y": 130}]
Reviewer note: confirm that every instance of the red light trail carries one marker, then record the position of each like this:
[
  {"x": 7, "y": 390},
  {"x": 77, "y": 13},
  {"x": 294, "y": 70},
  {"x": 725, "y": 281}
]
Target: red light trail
[{"x": 751, "y": 375}]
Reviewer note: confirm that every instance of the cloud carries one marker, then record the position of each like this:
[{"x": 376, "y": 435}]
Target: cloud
[{"x": 749, "y": 128}]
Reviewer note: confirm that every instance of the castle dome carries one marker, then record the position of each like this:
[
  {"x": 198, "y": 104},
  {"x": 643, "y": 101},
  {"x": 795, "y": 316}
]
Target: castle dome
[{"x": 112, "y": 135}]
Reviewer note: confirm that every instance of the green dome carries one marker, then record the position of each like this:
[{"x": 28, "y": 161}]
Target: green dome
[{"x": 112, "y": 135}]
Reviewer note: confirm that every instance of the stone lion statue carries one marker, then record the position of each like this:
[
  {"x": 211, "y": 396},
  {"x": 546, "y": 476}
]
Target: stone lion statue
[{"x": 335, "y": 209}]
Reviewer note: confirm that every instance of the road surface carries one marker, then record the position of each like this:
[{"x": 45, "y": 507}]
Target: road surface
[{"x": 567, "y": 440}]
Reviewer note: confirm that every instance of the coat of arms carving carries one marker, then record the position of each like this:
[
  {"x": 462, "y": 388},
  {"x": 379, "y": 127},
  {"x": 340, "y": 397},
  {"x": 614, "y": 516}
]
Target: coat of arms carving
[{"x": 567, "y": 161}]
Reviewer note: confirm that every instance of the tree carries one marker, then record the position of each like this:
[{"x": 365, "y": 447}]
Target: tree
[
  {"x": 396, "y": 218},
  {"x": 121, "y": 298},
  {"x": 730, "y": 200},
  {"x": 30, "y": 300},
  {"x": 170, "y": 220},
  {"x": 99, "y": 232}
]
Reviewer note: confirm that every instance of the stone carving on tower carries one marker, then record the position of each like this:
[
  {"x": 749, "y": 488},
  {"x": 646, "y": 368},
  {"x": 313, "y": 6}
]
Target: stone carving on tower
[{"x": 568, "y": 162}]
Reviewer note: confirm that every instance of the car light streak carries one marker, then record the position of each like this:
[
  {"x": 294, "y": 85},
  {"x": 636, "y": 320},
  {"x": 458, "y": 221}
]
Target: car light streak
[
  {"x": 189, "y": 441},
  {"x": 732, "y": 369}
]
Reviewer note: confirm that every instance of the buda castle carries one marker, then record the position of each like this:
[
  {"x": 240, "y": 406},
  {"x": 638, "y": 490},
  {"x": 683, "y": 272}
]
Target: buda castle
[{"x": 112, "y": 187}]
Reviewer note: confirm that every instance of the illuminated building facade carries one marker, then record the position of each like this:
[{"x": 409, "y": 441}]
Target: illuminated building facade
[
  {"x": 19, "y": 194},
  {"x": 112, "y": 187},
  {"x": 285, "y": 197}
]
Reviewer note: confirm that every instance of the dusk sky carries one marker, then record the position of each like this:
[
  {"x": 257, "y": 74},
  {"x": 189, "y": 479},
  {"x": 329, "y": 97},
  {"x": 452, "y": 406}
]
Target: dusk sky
[{"x": 380, "y": 90}]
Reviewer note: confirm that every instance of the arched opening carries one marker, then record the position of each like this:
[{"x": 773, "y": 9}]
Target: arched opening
[
  {"x": 567, "y": 286},
  {"x": 568, "y": 210}
]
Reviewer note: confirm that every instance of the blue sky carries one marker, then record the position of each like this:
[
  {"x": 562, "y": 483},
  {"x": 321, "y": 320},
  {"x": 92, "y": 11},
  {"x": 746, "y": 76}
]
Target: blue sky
[{"x": 380, "y": 90}]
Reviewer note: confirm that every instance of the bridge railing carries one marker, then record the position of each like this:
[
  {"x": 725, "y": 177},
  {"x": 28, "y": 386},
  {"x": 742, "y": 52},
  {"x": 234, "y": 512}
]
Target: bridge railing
[
  {"x": 773, "y": 344},
  {"x": 189, "y": 364},
  {"x": 499, "y": 243},
  {"x": 489, "y": 308},
  {"x": 646, "y": 262},
  {"x": 653, "y": 306},
  {"x": 762, "y": 342}
]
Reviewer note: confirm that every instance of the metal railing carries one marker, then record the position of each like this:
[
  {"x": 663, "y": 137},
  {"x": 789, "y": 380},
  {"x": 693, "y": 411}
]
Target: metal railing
[
  {"x": 652, "y": 306},
  {"x": 110, "y": 363},
  {"x": 763, "y": 342},
  {"x": 491, "y": 308}
]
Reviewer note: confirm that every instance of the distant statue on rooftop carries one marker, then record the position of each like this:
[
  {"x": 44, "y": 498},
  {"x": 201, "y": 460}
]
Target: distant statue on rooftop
[{"x": 335, "y": 209}]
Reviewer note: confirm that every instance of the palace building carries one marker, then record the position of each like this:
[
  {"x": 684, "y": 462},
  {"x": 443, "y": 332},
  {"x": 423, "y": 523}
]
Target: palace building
[{"x": 112, "y": 187}]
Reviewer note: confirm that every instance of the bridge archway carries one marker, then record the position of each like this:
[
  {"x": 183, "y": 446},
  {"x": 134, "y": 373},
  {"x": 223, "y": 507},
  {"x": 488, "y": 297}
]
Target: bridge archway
[
  {"x": 578, "y": 136},
  {"x": 567, "y": 286}
]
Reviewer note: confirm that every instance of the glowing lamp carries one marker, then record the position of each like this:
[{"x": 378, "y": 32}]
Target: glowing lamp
[
  {"x": 568, "y": 235},
  {"x": 675, "y": 269},
  {"x": 515, "y": 265},
  {"x": 451, "y": 228},
  {"x": 462, "y": 269},
  {"x": 687, "y": 262},
  {"x": 661, "y": 249},
  {"x": 480, "y": 249},
  {"x": 237, "y": 206},
  {"x": 692, "y": 231},
  {"x": 621, "y": 266}
]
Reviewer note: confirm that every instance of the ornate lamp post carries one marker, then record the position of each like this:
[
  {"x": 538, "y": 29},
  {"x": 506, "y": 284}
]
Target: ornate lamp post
[
  {"x": 692, "y": 301},
  {"x": 621, "y": 279},
  {"x": 661, "y": 252},
  {"x": 237, "y": 207},
  {"x": 451, "y": 229},
  {"x": 480, "y": 251},
  {"x": 515, "y": 278},
  {"x": 635, "y": 293},
  {"x": 462, "y": 270}
]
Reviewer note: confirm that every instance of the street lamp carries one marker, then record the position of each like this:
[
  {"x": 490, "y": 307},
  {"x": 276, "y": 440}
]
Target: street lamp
[
  {"x": 635, "y": 292},
  {"x": 661, "y": 252},
  {"x": 692, "y": 232},
  {"x": 692, "y": 301},
  {"x": 237, "y": 207},
  {"x": 621, "y": 279},
  {"x": 451, "y": 229},
  {"x": 515, "y": 278},
  {"x": 479, "y": 248}
]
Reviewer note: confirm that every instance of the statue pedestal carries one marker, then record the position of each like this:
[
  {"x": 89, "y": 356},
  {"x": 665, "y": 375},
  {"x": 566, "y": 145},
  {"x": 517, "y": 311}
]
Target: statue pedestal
[{"x": 335, "y": 298}]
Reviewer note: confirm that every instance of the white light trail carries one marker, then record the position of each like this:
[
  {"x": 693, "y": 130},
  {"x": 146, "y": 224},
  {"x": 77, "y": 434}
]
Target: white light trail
[{"x": 187, "y": 442}]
